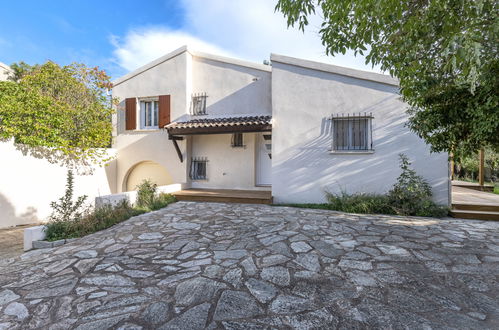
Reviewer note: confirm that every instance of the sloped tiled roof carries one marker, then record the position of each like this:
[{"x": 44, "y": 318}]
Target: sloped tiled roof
[{"x": 241, "y": 122}]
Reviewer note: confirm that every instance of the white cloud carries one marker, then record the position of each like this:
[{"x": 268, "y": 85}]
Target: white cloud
[
  {"x": 139, "y": 47},
  {"x": 247, "y": 29}
]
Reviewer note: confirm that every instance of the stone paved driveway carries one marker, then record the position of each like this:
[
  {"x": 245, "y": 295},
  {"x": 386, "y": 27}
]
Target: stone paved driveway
[{"x": 195, "y": 265}]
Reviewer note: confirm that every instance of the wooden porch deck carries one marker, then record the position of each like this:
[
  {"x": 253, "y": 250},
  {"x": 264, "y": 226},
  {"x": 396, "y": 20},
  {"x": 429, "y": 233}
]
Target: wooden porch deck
[
  {"x": 469, "y": 203},
  {"x": 225, "y": 196}
]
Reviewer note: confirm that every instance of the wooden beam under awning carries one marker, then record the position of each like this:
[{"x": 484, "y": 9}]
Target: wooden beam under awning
[
  {"x": 219, "y": 129},
  {"x": 177, "y": 148}
]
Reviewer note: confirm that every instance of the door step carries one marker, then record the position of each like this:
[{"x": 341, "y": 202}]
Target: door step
[
  {"x": 224, "y": 196},
  {"x": 477, "y": 215},
  {"x": 475, "y": 207}
]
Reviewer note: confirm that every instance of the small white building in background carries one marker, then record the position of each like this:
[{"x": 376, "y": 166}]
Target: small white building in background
[
  {"x": 294, "y": 127},
  {"x": 5, "y": 71}
]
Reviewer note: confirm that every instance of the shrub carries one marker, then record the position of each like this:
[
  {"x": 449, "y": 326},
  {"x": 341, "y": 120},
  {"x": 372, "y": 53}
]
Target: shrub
[
  {"x": 70, "y": 220},
  {"x": 162, "y": 201},
  {"x": 91, "y": 221},
  {"x": 359, "y": 203},
  {"x": 410, "y": 191},
  {"x": 146, "y": 194},
  {"x": 65, "y": 209},
  {"x": 101, "y": 218}
]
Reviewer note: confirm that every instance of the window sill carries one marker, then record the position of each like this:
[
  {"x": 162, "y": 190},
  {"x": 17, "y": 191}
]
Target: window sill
[
  {"x": 197, "y": 180},
  {"x": 351, "y": 152}
]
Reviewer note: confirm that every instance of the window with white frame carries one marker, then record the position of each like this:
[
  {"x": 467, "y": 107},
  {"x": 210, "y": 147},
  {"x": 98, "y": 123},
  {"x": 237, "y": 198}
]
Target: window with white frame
[
  {"x": 352, "y": 133},
  {"x": 148, "y": 114}
]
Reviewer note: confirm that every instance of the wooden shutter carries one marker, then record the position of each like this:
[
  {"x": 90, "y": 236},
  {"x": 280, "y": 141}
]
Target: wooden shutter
[
  {"x": 130, "y": 113},
  {"x": 164, "y": 111}
]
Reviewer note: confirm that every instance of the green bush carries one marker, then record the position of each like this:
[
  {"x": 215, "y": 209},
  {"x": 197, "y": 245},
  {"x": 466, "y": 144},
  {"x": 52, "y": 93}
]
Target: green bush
[
  {"x": 100, "y": 218},
  {"x": 91, "y": 221},
  {"x": 411, "y": 193},
  {"x": 146, "y": 194},
  {"x": 162, "y": 201},
  {"x": 359, "y": 203}
]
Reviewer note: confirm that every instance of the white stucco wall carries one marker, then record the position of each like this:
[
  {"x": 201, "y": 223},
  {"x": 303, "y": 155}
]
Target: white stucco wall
[
  {"x": 231, "y": 89},
  {"x": 136, "y": 147},
  {"x": 302, "y": 166},
  {"x": 227, "y": 168},
  {"x": 28, "y": 185}
]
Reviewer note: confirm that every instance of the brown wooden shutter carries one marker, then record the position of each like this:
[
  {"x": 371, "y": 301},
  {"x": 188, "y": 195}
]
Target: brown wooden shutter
[
  {"x": 130, "y": 113},
  {"x": 164, "y": 111}
]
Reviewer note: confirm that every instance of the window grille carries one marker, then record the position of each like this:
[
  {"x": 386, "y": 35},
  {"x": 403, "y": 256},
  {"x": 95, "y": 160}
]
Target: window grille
[
  {"x": 198, "y": 104},
  {"x": 237, "y": 140},
  {"x": 352, "y": 132},
  {"x": 198, "y": 168}
]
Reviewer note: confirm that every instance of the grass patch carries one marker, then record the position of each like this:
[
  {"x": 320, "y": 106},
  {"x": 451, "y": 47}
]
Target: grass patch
[{"x": 101, "y": 218}]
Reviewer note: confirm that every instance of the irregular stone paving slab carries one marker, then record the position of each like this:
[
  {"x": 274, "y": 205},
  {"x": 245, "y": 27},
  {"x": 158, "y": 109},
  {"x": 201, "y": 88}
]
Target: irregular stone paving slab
[
  {"x": 237, "y": 266},
  {"x": 196, "y": 290},
  {"x": 236, "y": 305}
]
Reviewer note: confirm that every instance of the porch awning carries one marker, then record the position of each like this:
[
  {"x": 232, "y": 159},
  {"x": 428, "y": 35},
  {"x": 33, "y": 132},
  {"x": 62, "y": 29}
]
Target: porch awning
[{"x": 223, "y": 125}]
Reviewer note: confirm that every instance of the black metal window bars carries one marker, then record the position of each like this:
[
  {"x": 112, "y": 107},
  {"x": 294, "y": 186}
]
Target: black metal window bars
[
  {"x": 237, "y": 140},
  {"x": 198, "y": 168},
  {"x": 352, "y": 132},
  {"x": 198, "y": 104}
]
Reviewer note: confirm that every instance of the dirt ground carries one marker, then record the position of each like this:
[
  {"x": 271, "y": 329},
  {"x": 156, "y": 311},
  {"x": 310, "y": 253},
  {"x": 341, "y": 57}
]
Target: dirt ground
[{"x": 11, "y": 241}]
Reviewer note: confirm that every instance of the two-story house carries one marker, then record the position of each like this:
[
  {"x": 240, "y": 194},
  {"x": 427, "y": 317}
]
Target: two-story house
[{"x": 295, "y": 128}]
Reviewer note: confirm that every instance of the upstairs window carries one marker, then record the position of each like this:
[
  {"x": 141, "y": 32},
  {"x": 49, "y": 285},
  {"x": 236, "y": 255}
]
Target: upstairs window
[
  {"x": 198, "y": 104},
  {"x": 148, "y": 114},
  {"x": 352, "y": 133},
  {"x": 237, "y": 140},
  {"x": 198, "y": 169}
]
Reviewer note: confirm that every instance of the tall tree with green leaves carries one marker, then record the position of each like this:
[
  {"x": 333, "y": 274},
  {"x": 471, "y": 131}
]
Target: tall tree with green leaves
[
  {"x": 60, "y": 113},
  {"x": 444, "y": 53}
]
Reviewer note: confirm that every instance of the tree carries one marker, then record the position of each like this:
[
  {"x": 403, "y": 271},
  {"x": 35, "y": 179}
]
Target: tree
[
  {"x": 20, "y": 69},
  {"x": 444, "y": 53},
  {"x": 62, "y": 114}
]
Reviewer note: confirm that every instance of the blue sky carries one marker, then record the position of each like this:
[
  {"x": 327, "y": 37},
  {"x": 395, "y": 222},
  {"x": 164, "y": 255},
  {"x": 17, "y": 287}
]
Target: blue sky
[{"x": 121, "y": 35}]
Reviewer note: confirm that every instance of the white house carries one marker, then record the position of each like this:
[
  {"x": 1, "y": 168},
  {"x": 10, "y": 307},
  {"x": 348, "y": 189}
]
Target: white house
[{"x": 295, "y": 128}]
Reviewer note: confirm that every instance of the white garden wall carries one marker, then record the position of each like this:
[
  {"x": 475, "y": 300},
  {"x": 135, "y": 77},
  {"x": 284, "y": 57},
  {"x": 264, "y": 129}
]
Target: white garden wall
[{"x": 28, "y": 185}]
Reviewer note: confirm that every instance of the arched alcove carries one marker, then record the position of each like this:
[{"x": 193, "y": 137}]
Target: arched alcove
[{"x": 146, "y": 170}]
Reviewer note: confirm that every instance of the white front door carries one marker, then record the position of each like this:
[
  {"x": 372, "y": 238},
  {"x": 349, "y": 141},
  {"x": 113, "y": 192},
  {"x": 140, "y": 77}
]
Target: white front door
[{"x": 263, "y": 159}]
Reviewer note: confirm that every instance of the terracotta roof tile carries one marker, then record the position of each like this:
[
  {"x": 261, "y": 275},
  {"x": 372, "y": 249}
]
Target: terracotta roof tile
[{"x": 221, "y": 122}]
